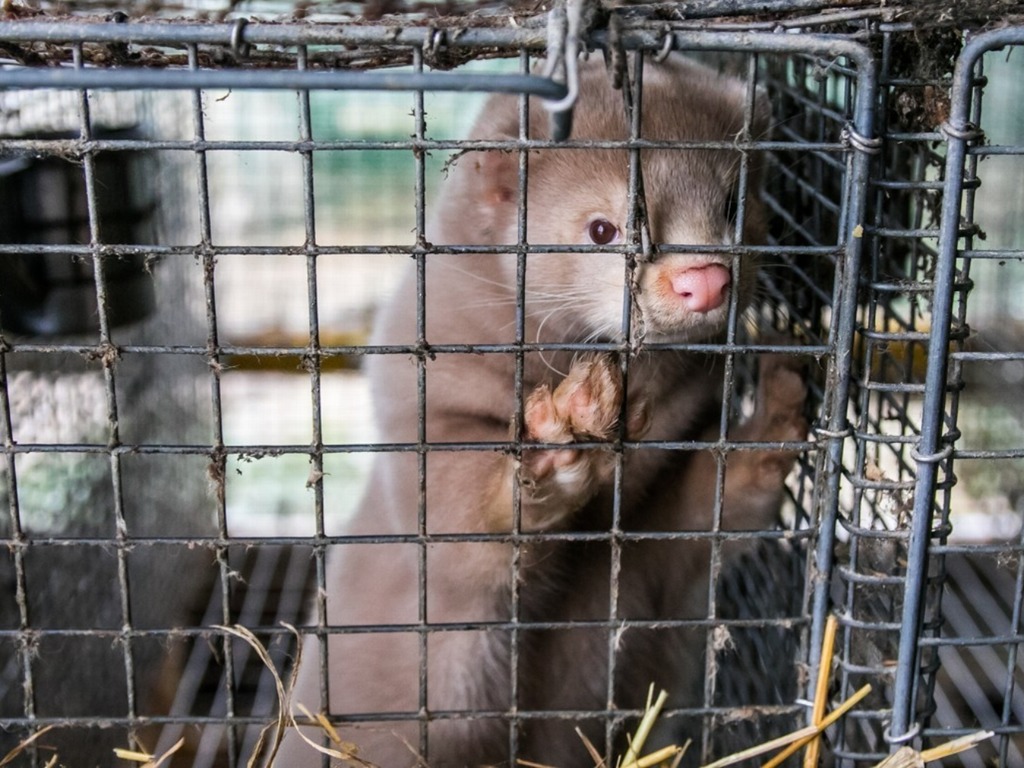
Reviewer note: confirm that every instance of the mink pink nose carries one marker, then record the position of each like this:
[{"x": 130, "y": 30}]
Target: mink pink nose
[{"x": 702, "y": 289}]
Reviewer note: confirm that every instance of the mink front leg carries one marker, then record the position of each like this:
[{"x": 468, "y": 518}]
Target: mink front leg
[
  {"x": 755, "y": 480},
  {"x": 669, "y": 580}
]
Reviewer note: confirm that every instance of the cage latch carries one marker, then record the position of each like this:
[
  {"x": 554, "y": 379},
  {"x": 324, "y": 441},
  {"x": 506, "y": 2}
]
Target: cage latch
[{"x": 568, "y": 21}]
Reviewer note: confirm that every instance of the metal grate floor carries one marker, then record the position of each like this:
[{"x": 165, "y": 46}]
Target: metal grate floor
[
  {"x": 981, "y": 685},
  {"x": 274, "y": 585}
]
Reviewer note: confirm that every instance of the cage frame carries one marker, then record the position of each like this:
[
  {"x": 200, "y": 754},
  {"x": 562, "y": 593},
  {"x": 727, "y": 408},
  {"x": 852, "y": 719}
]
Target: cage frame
[{"x": 833, "y": 433}]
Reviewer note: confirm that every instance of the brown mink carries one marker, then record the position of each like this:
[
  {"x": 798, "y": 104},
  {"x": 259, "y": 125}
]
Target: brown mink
[{"x": 476, "y": 678}]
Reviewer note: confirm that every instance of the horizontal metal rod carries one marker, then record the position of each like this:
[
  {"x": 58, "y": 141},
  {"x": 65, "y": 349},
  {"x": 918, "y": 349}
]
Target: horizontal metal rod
[
  {"x": 74, "y": 146},
  {"x": 200, "y": 721},
  {"x": 245, "y": 542},
  {"x": 182, "y": 33},
  {"x": 250, "y": 79},
  {"x": 994, "y": 253},
  {"x": 633, "y": 36},
  {"x": 191, "y": 251},
  {"x": 431, "y": 628},
  {"x": 270, "y": 451},
  {"x": 994, "y": 454},
  {"x": 999, "y": 549},
  {"x": 330, "y": 350}
]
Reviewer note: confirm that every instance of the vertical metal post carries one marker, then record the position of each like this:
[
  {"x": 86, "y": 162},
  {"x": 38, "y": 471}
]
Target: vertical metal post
[
  {"x": 109, "y": 357},
  {"x": 218, "y": 454},
  {"x": 835, "y": 430},
  {"x": 419, "y": 190},
  {"x": 639, "y": 236},
  {"x": 312, "y": 361},
  {"x": 522, "y": 247},
  {"x": 930, "y": 451},
  {"x": 17, "y": 545}
]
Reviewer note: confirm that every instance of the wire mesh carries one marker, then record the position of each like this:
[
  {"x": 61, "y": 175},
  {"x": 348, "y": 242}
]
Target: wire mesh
[{"x": 136, "y": 453}]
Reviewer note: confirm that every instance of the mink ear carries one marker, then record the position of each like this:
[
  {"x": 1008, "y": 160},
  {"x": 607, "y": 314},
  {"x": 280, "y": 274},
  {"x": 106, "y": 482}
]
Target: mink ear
[
  {"x": 491, "y": 176},
  {"x": 496, "y": 177},
  {"x": 495, "y": 172},
  {"x": 483, "y": 195}
]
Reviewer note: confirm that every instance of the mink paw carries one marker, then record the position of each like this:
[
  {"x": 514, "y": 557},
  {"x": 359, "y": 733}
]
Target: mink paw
[
  {"x": 755, "y": 479},
  {"x": 584, "y": 407}
]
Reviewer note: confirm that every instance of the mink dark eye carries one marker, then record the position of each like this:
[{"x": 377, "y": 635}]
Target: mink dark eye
[{"x": 602, "y": 231}]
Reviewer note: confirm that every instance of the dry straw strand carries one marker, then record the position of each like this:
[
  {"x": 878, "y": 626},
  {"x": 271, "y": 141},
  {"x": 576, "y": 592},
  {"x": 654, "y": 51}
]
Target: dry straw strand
[
  {"x": 147, "y": 759},
  {"x": 828, "y": 645},
  {"x": 801, "y": 736},
  {"x": 342, "y": 753},
  {"x": 768, "y": 746},
  {"x": 594, "y": 754},
  {"x": 904, "y": 757},
  {"x": 132, "y": 755},
  {"x": 643, "y": 730},
  {"x": 834, "y": 715},
  {"x": 813, "y": 744},
  {"x": 657, "y": 758},
  {"x": 956, "y": 746},
  {"x": 13, "y": 754},
  {"x": 166, "y": 755},
  {"x": 908, "y": 757},
  {"x": 282, "y": 697},
  {"x": 285, "y": 718},
  {"x": 679, "y": 757}
]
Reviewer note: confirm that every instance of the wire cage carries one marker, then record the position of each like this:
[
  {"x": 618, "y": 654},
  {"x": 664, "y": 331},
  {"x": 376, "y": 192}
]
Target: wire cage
[{"x": 205, "y": 206}]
